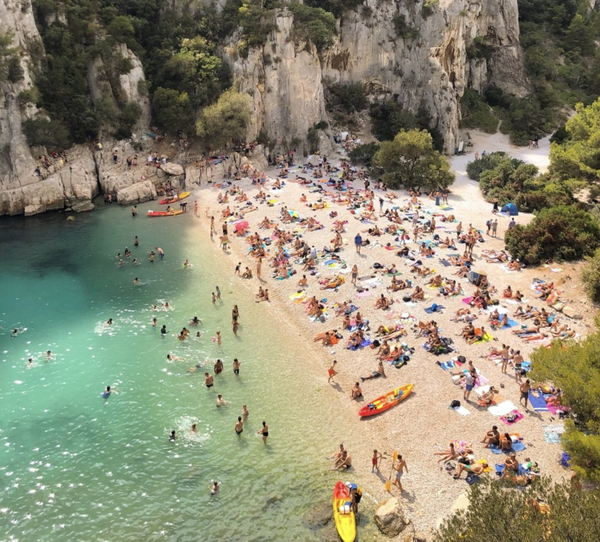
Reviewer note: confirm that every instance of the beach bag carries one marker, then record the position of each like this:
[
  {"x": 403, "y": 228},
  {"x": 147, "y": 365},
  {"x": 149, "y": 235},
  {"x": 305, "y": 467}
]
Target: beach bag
[
  {"x": 462, "y": 359},
  {"x": 406, "y": 298},
  {"x": 455, "y": 403}
]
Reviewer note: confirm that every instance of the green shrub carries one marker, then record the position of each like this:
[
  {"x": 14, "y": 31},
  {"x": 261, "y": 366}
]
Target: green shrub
[
  {"x": 337, "y": 7},
  {"x": 314, "y": 24},
  {"x": 565, "y": 232},
  {"x": 29, "y": 96},
  {"x": 363, "y": 154},
  {"x": 487, "y": 162},
  {"x": 476, "y": 114},
  {"x": 480, "y": 49},
  {"x": 172, "y": 111},
  {"x": 403, "y": 29},
  {"x": 46, "y": 133},
  {"x": 388, "y": 118},
  {"x": 590, "y": 275}
]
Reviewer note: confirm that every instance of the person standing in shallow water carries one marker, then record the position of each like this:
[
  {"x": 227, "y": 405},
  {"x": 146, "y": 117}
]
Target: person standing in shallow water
[
  {"x": 264, "y": 431},
  {"x": 236, "y": 367},
  {"x": 239, "y": 426}
]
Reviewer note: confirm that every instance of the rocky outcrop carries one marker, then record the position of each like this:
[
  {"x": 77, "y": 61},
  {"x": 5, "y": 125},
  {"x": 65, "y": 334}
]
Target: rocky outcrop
[
  {"x": 106, "y": 83},
  {"x": 389, "y": 517},
  {"x": 171, "y": 168},
  {"x": 137, "y": 193},
  {"x": 424, "y": 63},
  {"x": 284, "y": 80}
]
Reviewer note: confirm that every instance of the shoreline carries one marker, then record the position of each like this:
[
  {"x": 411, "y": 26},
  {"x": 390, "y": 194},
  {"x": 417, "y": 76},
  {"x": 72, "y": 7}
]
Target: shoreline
[{"x": 423, "y": 424}]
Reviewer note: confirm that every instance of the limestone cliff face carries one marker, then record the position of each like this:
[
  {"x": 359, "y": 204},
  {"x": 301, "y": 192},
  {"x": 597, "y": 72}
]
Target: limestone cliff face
[
  {"x": 424, "y": 64},
  {"x": 64, "y": 184},
  {"x": 284, "y": 79}
]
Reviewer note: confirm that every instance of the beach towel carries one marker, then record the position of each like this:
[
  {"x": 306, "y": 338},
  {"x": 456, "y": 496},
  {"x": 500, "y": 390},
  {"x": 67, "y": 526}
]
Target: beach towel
[
  {"x": 502, "y": 408},
  {"x": 537, "y": 401},
  {"x": 472, "y": 479},
  {"x": 462, "y": 410},
  {"x": 485, "y": 339},
  {"x": 467, "y": 300},
  {"x": 552, "y": 433},
  {"x": 434, "y": 308},
  {"x": 516, "y": 447},
  {"x": 445, "y": 263},
  {"x": 447, "y": 365},
  {"x": 512, "y": 417},
  {"x": 511, "y": 323}
]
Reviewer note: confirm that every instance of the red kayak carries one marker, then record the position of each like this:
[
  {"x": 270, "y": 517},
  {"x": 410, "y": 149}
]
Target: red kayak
[{"x": 387, "y": 401}]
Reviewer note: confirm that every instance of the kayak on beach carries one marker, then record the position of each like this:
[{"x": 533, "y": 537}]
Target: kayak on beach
[
  {"x": 163, "y": 213},
  {"x": 345, "y": 520},
  {"x": 387, "y": 401},
  {"x": 175, "y": 198}
]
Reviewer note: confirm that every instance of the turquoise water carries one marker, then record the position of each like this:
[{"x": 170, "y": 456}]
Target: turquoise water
[{"x": 76, "y": 467}]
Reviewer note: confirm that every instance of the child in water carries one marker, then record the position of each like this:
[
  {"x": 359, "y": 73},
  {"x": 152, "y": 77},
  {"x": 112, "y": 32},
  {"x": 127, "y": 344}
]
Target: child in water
[{"x": 214, "y": 489}]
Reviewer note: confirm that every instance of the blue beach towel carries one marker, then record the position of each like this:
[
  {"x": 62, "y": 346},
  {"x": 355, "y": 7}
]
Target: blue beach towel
[
  {"x": 516, "y": 447},
  {"x": 538, "y": 403},
  {"x": 447, "y": 365},
  {"x": 434, "y": 308},
  {"x": 445, "y": 263}
]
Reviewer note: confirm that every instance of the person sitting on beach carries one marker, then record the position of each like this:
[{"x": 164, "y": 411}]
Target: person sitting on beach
[
  {"x": 507, "y": 293},
  {"x": 478, "y": 335},
  {"x": 477, "y": 468},
  {"x": 397, "y": 285},
  {"x": 487, "y": 398},
  {"x": 468, "y": 332},
  {"x": 356, "y": 392},
  {"x": 511, "y": 466},
  {"x": 382, "y": 303},
  {"x": 247, "y": 274},
  {"x": 344, "y": 462},
  {"x": 435, "y": 282},
  {"x": 418, "y": 294},
  {"x": 492, "y": 437},
  {"x": 448, "y": 455},
  {"x": 515, "y": 265},
  {"x": 384, "y": 350},
  {"x": 375, "y": 374},
  {"x": 505, "y": 442}
]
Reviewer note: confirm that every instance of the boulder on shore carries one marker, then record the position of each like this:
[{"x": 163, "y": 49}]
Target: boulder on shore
[
  {"x": 389, "y": 517},
  {"x": 170, "y": 168},
  {"x": 137, "y": 193}
]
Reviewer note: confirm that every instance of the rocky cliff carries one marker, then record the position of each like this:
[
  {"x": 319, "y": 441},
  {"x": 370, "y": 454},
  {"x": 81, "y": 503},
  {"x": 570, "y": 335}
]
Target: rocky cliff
[
  {"x": 422, "y": 53},
  {"x": 414, "y": 53}
]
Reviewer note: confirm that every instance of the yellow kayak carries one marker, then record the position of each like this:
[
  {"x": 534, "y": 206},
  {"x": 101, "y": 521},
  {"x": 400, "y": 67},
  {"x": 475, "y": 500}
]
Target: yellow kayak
[
  {"x": 168, "y": 201},
  {"x": 344, "y": 518}
]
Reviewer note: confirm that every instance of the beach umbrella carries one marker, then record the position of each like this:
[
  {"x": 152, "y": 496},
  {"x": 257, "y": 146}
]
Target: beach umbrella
[
  {"x": 241, "y": 225},
  {"x": 293, "y": 214}
]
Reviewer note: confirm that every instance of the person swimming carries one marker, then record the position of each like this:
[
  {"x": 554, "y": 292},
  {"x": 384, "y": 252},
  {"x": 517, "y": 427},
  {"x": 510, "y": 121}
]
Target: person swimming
[
  {"x": 163, "y": 330},
  {"x": 136, "y": 281},
  {"x": 107, "y": 392},
  {"x": 194, "y": 428},
  {"x": 195, "y": 321},
  {"x": 172, "y": 436},
  {"x": 109, "y": 322},
  {"x": 214, "y": 489},
  {"x": 221, "y": 401}
]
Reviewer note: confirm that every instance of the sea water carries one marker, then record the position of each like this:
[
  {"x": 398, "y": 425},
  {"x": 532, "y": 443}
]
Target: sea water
[{"x": 74, "y": 466}]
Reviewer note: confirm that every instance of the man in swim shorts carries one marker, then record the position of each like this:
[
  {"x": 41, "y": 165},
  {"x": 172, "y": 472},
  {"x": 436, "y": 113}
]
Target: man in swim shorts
[
  {"x": 239, "y": 426},
  {"x": 236, "y": 366},
  {"x": 400, "y": 467},
  {"x": 208, "y": 380}
]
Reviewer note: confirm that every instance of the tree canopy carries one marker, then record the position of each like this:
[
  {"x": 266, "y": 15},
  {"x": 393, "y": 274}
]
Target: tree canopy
[
  {"x": 411, "y": 161},
  {"x": 228, "y": 118},
  {"x": 575, "y": 369},
  {"x": 564, "y": 232},
  {"x": 541, "y": 512}
]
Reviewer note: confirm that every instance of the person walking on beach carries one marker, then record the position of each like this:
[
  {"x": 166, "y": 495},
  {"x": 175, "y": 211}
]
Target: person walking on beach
[
  {"x": 258, "y": 268},
  {"x": 524, "y": 389},
  {"x": 358, "y": 242},
  {"x": 264, "y": 431},
  {"x": 469, "y": 385},
  {"x": 196, "y": 208},
  {"x": 494, "y": 227},
  {"x": 218, "y": 290},
  {"x": 377, "y": 457},
  {"x": 214, "y": 298},
  {"x": 512, "y": 223},
  {"x": 236, "y": 366},
  {"x": 235, "y": 326},
  {"x": 354, "y": 274},
  {"x": 235, "y": 313},
  {"x": 237, "y": 268},
  {"x": 239, "y": 426},
  {"x": 400, "y": 467},
  {"x": 212, "y": 227},
  {"x": 332, "y": 372}
]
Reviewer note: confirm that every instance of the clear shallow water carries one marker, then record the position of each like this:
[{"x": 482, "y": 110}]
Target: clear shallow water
[{"x": 76, "y": 467}]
